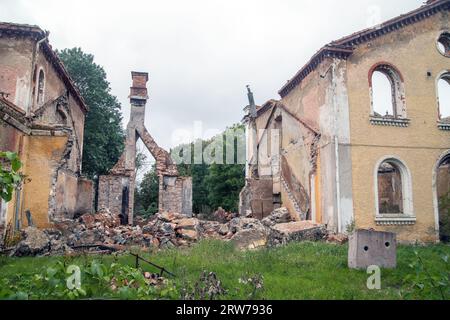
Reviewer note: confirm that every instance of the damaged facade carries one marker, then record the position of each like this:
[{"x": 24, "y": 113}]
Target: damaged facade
[
  {"x": 116, "y": 190},
  {"x": 42, "y": 118},
  {"x": 325, "y": 153}
]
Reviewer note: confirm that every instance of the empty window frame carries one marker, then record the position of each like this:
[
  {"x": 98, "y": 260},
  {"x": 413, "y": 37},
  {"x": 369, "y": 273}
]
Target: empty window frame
[
  {"x": 443, "y": 93},
  {"x": 387, "y": 92},
  {"x": 393, "y": 188},
  {"x": 443, "y": 44}
]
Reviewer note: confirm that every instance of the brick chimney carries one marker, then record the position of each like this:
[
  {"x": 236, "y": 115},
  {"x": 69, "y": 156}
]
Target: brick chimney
[{"x": 138, "y": 92}]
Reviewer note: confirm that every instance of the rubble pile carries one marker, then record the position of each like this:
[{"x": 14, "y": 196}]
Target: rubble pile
[
  {"x": 223, "y": 216},
  {"x": 37, "y": 242},
  {"x": 166, "y": 230},
  {"x": 284, "y": 233},
  {"x": 281, "y": 215},
  {"x": 337, "y": 238}
]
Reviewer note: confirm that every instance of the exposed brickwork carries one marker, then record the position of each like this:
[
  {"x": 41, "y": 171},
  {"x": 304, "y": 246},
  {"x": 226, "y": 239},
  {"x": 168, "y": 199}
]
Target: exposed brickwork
[
  {"x": 333, "y": 140},
  {"x": 257, "y": 198},
  {"x": 116, "y": 191},
  {"x": 110, "y": 194},
  {"x": 172, "y": 197},
  {"x": 47, "y": 134},
  {"x": 164, "y": 163}
]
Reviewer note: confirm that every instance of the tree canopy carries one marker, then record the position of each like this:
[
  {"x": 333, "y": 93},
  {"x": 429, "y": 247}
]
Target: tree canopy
[
  {"x": 214, "y": 184},
  {"x": 103, "y": 133},
  {"x": 146, "y": 194}
]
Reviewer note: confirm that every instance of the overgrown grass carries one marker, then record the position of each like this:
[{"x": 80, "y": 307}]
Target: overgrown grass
[{"x": 297, "y": 271}]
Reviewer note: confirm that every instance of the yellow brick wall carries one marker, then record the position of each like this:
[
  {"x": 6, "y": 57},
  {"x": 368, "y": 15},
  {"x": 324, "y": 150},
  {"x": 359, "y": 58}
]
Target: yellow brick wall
[
  {"x": 44, "y": 153},
  {"x": 413, "y": 51}
]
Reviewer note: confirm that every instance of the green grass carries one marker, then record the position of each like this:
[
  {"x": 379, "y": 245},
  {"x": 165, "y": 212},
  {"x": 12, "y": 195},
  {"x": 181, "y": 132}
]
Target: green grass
[{"x": 297, "y": 271}]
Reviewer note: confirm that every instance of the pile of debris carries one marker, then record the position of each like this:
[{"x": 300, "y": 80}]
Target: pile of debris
[
  {"x": 103, "y": 231},
  {"x": 223, "y": 216},
  {"x": 37, "y": 242}
]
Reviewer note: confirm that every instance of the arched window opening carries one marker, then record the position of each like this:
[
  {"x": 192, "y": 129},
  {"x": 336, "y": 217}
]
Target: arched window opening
[
  {"x": 41, "y": 87},
  {"x": 383, "y": 104},
  {"x": 443, "y": 193},
  {"x": 390, "y": 189},
  {"x": 387, "y": 93},
  {"x": 444, "y": 98},
  {"x": 444, "y": 44}
]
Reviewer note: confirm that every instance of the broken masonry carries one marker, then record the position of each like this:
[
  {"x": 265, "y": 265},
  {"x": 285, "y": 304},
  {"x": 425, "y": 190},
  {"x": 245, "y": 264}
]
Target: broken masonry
[{"x": 116, "y": 190}]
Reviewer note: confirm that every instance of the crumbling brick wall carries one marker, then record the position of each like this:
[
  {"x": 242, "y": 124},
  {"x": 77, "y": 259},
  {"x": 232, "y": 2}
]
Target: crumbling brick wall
[
  {"x": 257, "y": 198},
  {"x": 116, "y": 191},
  {"x": 111, "y": 193},
  {"x": 47, "y": 133},
  {"x": 175, "y": 195}
]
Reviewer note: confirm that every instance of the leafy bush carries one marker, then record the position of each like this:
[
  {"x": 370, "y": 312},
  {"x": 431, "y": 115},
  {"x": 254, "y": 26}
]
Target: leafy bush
[
  {"x": 98, "y": 280},
  {"x": 424, "y": 282},
  {"x": 10, "y": 178}
]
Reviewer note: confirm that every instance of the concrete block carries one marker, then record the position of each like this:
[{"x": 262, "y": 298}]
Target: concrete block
[{"x": 367, "y": 248}]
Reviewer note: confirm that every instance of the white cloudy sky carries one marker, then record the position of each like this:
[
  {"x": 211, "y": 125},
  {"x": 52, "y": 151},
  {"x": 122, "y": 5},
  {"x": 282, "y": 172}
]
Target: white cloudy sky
[{"x": 200, "y": 54}]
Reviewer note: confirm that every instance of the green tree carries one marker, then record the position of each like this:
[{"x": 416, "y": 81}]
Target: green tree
[
  {"x": 224, "y": 182},
  {"x": 217, "y": 185},
  {"x": 198, "y": 172},
  {"x": 103, "y": 133},
  {"x": 147, "y": 193},
  {"x": 213, "y": 185},
  {"x": 200, "y": 201}
]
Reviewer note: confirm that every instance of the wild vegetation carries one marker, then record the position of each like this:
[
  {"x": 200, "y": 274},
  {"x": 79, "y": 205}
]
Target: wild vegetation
[
  {"x": 214, "y": 185},
  {"x": 10, "y": 177},
  {"x": 296, "y": 271}
]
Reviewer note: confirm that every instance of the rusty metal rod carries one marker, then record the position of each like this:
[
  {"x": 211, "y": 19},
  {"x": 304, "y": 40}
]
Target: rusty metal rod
[{"x": 154, "y": 265}]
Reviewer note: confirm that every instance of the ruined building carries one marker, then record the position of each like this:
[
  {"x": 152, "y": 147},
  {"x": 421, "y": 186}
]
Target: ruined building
[
  {"x": 330, "y": 154},
  {"x": 116, "y": 190},
  {"x": 42, "y": 119}
]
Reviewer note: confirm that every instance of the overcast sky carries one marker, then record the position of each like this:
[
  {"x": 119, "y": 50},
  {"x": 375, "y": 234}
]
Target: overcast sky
[{"x": 200, "y": 54}]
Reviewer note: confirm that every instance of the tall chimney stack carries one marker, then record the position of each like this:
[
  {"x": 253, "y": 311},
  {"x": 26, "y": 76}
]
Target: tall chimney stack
[
  {"x": 138, "y": 100},
  {"x": 138, "y": 92}
]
